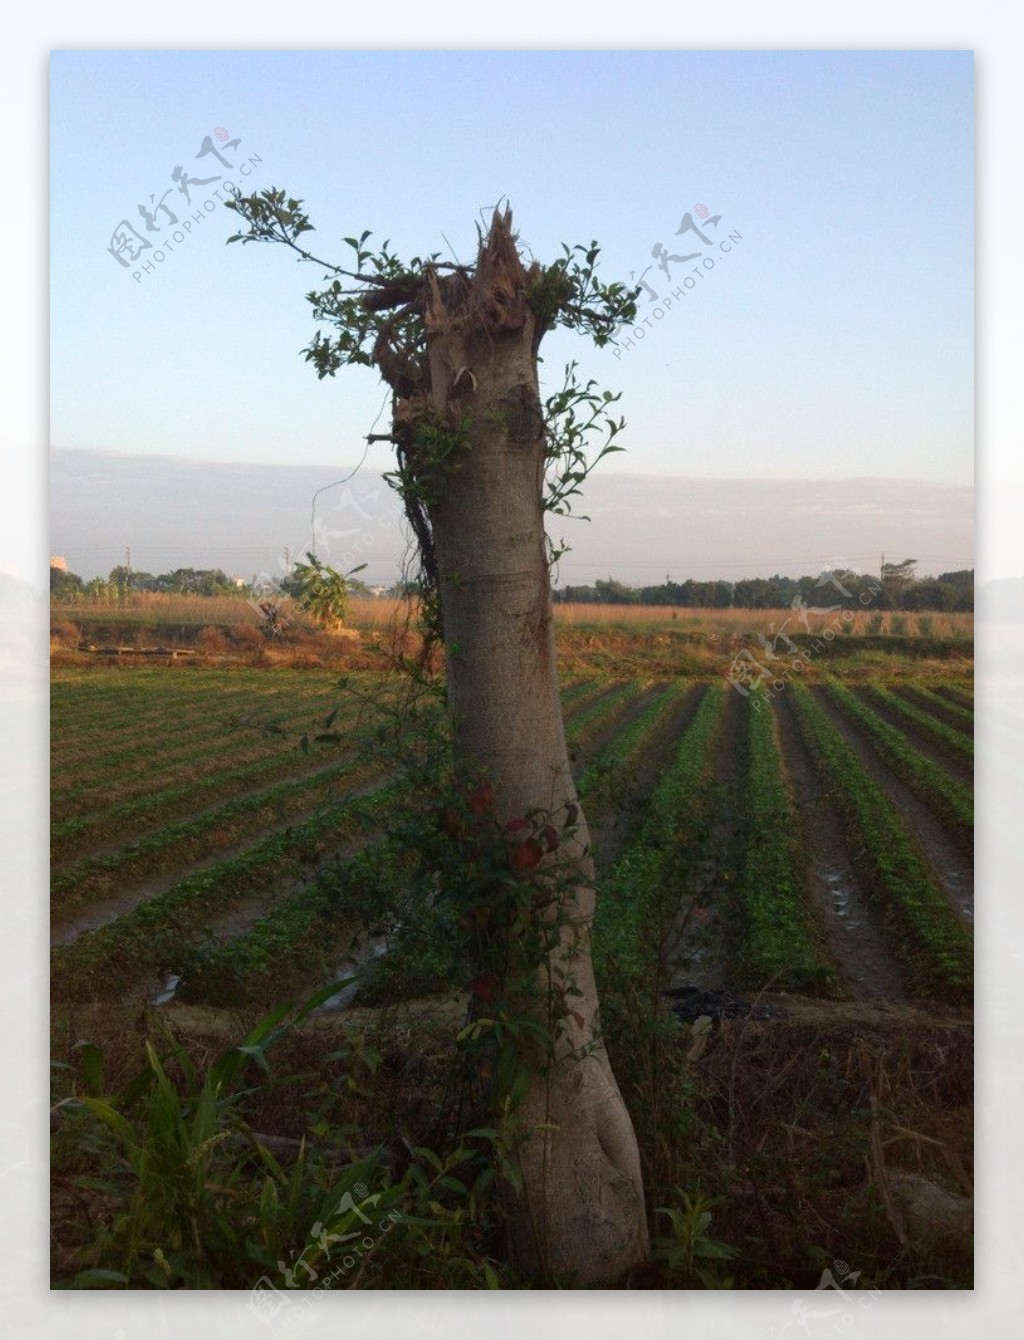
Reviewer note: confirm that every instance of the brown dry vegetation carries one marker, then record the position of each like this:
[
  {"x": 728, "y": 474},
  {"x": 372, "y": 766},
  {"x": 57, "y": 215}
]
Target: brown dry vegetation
[{"x": 614, "y": 639}]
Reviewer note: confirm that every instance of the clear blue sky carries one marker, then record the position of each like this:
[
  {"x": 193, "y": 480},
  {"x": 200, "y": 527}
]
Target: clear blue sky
[{"x": 834, "y": 340}]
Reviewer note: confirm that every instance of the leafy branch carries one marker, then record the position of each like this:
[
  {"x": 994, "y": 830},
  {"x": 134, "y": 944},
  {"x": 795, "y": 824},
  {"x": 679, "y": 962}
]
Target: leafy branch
[{"x": 376, "y": 313}]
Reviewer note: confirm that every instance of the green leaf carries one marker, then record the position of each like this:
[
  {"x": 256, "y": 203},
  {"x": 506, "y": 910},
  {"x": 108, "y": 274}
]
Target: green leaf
[
  {"x": 111, "y": 1117},
  {"x": 96, "y": 1278},
  {"x": 91, "y": 1059}
]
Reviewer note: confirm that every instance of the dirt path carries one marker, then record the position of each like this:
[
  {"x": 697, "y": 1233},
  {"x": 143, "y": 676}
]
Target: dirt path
[
  {"x": 953, "y": 871},
  {"x": 853, "y": 936}
]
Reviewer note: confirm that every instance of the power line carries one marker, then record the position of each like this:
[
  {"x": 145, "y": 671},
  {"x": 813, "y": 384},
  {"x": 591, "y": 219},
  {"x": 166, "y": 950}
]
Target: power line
[{"x": 352, "y": 475}]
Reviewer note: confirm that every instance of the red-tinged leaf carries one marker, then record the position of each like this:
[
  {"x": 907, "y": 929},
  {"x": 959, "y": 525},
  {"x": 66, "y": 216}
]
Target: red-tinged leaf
[
  {"x": 526, "y": 855},
  {"x": 481, "y": 798},
  {"x": 551, "y": 838},
  {"x": 516, "y": 825}
]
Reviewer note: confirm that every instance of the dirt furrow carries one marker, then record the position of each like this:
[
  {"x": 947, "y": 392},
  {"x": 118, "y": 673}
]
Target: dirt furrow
[
  {"x": 613, "y": 814},
  {"x": 957, "y": 768},
  {"x": 953, "y": 871},
  {"x": 938, "y": 706},
  {"x": 855, "y": 940},
  {"x": 102, "y": 913}
]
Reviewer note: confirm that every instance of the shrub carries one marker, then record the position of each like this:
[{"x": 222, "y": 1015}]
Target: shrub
[
  {"x": 66, "y": 635},
  {"x": 212, "y": 640},
  {"x": 246, "y": 637}
]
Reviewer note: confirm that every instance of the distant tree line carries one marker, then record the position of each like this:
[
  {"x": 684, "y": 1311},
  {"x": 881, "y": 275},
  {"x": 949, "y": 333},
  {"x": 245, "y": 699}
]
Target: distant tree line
[
  {"x": 896, "y": 588},
  {"x": 123, "y": 581}
]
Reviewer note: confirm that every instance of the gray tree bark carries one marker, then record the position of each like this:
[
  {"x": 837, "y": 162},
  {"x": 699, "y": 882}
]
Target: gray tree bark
[{"x": 582, "y": 1212}]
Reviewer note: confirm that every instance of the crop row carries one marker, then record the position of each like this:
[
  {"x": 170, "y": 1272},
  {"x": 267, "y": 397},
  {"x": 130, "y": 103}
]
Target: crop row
[
  {"x": 951, "y": 741},
  {"x": 934, "y": 943},
  {"x": 156, "y": 933},
  {"x": 291, "y": 939},
  {"x": 176, "y": 844},
  {"x": 203, "y": 766},
  {"x": 137, "y": 771},
  {"x": 622, "y": 751},
  {"x": 611, "y": 701},
  {"x": 946, "y": 709},
  {"x": 133, "y": 721},
  {"x": 174, "y": 737},
  {"x": 162, "y": 933},
  {"x": 176, "y": 802},
  {"x": 961, "y": 694},
  {"x": 128, "y": 710},
  {"x": 176, "y": 785},
  {"x": 642, "y": 897},
  {"x": 782, "y": 942},
  {"x": 947, "y": 798},
  {"x": 300, "y": 938}
]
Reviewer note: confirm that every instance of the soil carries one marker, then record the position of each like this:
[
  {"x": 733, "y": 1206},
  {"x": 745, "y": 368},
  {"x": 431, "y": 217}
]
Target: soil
[
  {"x": 241, "y": 918},
  {"x": 854, "y": 938},
  {"x": 941, "y": 705},
  {"x": 179, "y": 812},
  {"x": 611, "y": 819},
  {"x": 956, "y": 767},
  {"x": 953, "y": 870}
]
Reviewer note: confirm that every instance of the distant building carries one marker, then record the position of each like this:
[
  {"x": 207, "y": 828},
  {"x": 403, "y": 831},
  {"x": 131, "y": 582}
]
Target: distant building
[{"x": 59, "y": 561}]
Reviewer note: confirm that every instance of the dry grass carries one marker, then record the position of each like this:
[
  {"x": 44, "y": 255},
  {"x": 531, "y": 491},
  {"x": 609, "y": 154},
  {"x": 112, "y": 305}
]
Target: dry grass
[
  {"x": 150, "y": 607},
  {"x": 384, "y": 613}
]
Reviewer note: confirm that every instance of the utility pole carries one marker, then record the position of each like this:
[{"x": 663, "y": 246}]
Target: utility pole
[{"x": 128, "y": 558}]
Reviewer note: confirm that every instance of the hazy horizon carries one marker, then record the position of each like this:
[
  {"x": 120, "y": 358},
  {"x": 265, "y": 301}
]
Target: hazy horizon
[{"x": 242, "y": 517}]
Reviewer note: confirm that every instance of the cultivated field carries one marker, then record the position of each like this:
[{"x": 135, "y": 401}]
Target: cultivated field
[
  {"x": 184, "y": 812},
  {"x": 221, "y": 844}
]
